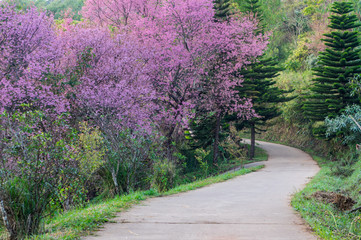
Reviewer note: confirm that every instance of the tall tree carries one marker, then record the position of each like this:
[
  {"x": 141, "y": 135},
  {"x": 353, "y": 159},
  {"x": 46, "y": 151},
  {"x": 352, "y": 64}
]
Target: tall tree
[
  {"x": 259, "y": 85},
  {"x": 331, "y": 92},
  {"x": 207, "y": 127},
  {"x": 192, "y": 63}
]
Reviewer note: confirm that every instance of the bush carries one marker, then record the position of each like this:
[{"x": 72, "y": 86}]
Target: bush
[
  {"x": 127, "y": 160},
  {"x": 36, "y": 157},
  {"x": 163, "y": 175},
  {"x": 344, "y": 127},
  {"x": 344, "y": 164},
  {"x": 201, "y": 156}
]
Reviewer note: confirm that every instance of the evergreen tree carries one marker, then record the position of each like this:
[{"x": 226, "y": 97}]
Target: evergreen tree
[
  {"x": 338, "y": 64},
  {"x": 208, "y": 128},
  {"x": 258, "y": 84},
  {"x": 222, "y": 9},
  {"x": 253, "y": 7}
]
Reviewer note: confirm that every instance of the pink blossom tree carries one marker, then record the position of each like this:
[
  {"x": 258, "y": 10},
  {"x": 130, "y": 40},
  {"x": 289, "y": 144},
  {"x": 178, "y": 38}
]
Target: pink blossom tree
[
  {"x": 111, "y": 90},
  {"x": 28, "y": 51},
  {"x": 113, "y": 84},
  {"x": 192, "y": 58}
]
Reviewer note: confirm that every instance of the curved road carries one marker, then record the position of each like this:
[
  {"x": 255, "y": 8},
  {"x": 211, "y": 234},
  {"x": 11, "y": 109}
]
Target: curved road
[{"x": 253, "y": 206}]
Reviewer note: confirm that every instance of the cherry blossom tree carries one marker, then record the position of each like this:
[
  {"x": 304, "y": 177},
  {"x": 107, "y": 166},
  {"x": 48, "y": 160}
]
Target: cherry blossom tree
[
  {"x": 113, "y": 82},
  {"x": 193, "y": 55},
  {"x": 28, "y": 51}
]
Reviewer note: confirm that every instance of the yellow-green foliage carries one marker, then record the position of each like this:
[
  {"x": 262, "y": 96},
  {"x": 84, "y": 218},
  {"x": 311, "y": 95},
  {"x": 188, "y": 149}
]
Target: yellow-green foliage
[
  {"x": 164, "y": 172},
  {"x": 91, "y": 149},
  {"x": 299, "y": 82},
  {"x": 297, "y": 60},
  {"x": 233, "y": 146},
  {"x": 201, "y": 155},
  {"x": 315, "y": 7}
]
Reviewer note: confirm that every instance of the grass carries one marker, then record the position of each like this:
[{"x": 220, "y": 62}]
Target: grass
[
  {"x": 326, "y": 220},
  {"x": 79, "y": 222}
]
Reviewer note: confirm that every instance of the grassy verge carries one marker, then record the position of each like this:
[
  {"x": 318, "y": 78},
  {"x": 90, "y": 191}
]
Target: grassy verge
[
  {"x": 75, "y": 223},
  {"x": 327, "y": 221}
]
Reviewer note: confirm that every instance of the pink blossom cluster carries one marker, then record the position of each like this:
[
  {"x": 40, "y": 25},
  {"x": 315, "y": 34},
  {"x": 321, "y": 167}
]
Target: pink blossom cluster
[
  {"x": 150, "y": 62},
  {"x": 28, "y": 51}
]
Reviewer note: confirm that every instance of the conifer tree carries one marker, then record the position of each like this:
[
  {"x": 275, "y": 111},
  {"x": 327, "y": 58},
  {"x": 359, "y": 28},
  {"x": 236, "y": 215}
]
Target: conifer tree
[
  {"x": 338, "y": 64},
  {"x": 208, "y": 129},
  {"x": 253, "y": 7},
  {"x": 259, "y": 84},
  {"x": 222, "y": 9}
]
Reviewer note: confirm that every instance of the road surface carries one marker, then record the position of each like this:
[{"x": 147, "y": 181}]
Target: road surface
[{"x": 250, "y": 207}]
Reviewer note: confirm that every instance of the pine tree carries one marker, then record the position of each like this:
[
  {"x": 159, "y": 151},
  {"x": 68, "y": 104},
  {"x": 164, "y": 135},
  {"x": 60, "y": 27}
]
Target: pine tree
[
  {"x": 222, "y": 9},
  {"x": 258, "y": 84},
  {"x": 338, "y": 64},
  {"x": 208, "y": 129},
  {"x": 253, "y": 7}
]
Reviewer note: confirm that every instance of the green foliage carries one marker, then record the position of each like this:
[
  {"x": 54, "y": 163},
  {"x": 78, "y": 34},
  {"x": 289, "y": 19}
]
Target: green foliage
[
  {"x": 201, "y": 156},
  {"x": 60, "y": 8},
  {"x": 234, "y": 147},
  {"x": 163, "y": 175},
  {"x": 253, "y": 8},
  {"x": 261, "y": 88},
  {"x": 203, "y": 129},
  {"x": 126, "y": 160},
  {"x": 222, "y": 8},
  {"x": 315, "y": 7},
  {"x": 344, "y": 127},
  {"x": 301, "y": 58},
  {"x": 343, "y": 166},
  {"x": 88, "y": 152},
  {"x": 35, "y": 159},
  {"x": 339, "y": 63},
  {"x": 91, "y": 150}
]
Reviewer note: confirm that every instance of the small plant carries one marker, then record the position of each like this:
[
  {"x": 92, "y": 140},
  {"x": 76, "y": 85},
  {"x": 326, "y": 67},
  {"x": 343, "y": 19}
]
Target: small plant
[
  {"x": 163, "y": 175},
  {"x": 233, "y": 145},
  {"x": 201, "y": 156},
  {"x": 344, "y": 166}
]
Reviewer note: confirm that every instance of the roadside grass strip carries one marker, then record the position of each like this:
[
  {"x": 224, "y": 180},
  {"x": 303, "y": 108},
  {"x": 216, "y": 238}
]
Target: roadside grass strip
[{"x": 325, "y": 218}]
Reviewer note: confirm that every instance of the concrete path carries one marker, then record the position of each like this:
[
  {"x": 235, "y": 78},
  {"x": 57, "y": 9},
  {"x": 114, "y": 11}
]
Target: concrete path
[{"x": 249, "y": 207}]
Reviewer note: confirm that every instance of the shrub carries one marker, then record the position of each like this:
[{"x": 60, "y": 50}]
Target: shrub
[
  {"x": 36, "y": 156},
  {"x": 126, "y": 160},
  {"x": 344, "y": 127},
  {"x": 163, "y": 175},
  {"x": 344, "y": 166},
  {"x": 201, "y": 156}
]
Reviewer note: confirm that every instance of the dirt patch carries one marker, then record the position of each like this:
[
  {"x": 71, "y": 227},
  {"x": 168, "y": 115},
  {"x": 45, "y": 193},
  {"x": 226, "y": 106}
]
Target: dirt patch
[{"x": 342, "y": 202}]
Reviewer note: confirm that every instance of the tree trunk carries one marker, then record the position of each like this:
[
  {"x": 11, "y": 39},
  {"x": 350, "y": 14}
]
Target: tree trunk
[
  {"x": 6, "y": 221},
  {"x": 216, "y": 139},
  {"x": 115, "y": 181},
  {"x": 253, "y": 141}
]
